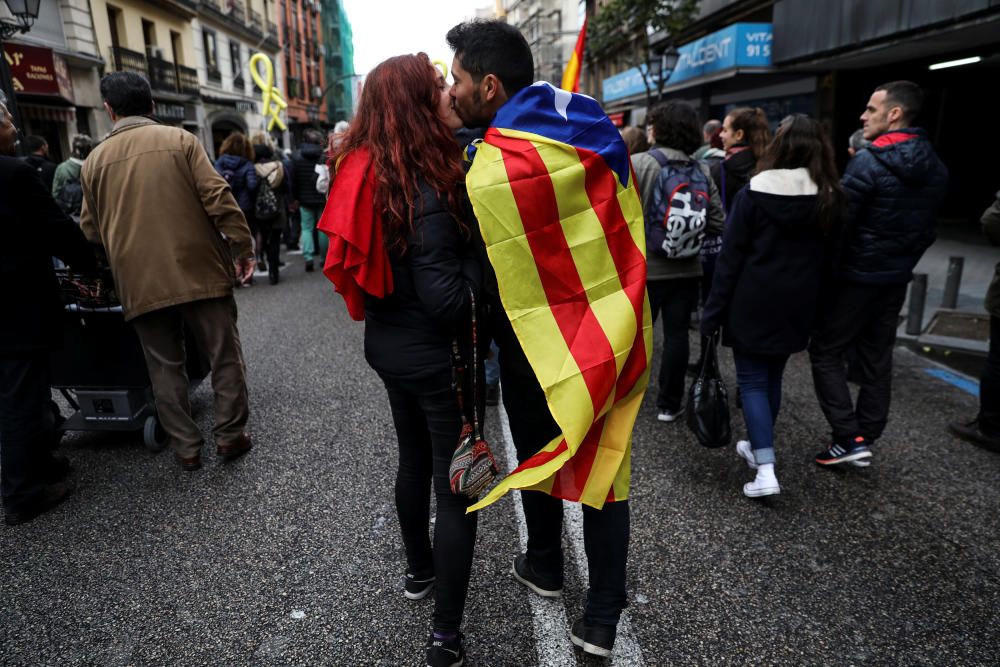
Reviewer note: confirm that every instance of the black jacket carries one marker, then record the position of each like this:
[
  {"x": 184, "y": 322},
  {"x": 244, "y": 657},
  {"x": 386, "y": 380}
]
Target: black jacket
[
  {"x": 734, "y": 173},
  {"x": 304, "y": 162},
  {"x": 894, "y": 191},
  {"x": 408, "y": 335},
  {"x": 34, "y": 229},
  {"x": 44, "y": 167},
  {"x": 772, "y": 268}
]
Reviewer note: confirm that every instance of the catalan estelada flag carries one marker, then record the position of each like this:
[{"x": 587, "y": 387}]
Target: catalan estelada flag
[
  {"x": 571, "y": 75},
  {"x": 553, "y": 190}
]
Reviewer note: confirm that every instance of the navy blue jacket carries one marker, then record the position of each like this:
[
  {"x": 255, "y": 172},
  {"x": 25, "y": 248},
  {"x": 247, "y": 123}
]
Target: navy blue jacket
[
  {"x": 408, "y": 334},
  {"x": 894, "y": 190},
  {"x": 33, "y": 228},
  {"x": 774, "y": 264},
  {"x": 304, "y": 162},
  {"x": 243, "y": 181}
]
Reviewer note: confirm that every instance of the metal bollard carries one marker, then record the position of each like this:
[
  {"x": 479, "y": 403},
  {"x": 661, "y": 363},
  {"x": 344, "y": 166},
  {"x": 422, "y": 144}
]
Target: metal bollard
[
  {"x": 953, "y": 282},
  {"x": 918, "y": 297}
]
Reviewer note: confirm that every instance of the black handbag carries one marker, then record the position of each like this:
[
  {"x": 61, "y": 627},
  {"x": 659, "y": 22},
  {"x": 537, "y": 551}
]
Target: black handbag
[
  {"x": 708, "y": 401},
  {"x": 473, "y": 467}
]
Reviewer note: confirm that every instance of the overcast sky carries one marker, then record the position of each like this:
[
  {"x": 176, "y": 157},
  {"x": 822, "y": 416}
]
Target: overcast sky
[{"x": 385, "y": 28}]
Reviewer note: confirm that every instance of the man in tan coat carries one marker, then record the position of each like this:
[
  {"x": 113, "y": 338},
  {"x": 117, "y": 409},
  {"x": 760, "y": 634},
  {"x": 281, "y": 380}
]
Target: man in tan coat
[{"x": 177, "y": 243}]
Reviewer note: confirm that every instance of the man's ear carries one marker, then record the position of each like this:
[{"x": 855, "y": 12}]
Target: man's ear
[
  {"x": 492, "y": 89},
  {"x": 111, "y": 113},
  {"x": 895, "y": 114}
]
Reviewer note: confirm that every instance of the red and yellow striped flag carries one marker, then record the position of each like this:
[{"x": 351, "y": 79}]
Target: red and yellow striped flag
[
  {"x": 571, "y": 75},
  {"x": 552, "y": 188}
]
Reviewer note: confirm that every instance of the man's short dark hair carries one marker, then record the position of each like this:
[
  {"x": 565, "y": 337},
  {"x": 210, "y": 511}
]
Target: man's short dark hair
[
  {"x": 494, "y": 47},
  {"x": 675, "y": 125},
  {"x": 313, "y": 136},
  {"x": 33, "y": 143},
  {"x": 127, "y": 93},
  {"x": 906, "y": 95}
]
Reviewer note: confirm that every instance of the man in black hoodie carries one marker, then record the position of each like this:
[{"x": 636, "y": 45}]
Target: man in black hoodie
[
  {"x": 894, "y": 190},
  {"x": 311, "y": 201}
]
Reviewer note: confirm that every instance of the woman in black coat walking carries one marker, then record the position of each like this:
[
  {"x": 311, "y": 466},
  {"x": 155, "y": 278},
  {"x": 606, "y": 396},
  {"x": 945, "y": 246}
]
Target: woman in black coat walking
[{"x": 775, "y": 258}]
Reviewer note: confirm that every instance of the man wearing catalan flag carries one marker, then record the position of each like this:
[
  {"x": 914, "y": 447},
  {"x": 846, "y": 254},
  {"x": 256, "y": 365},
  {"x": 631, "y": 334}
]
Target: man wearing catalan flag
[{"x": 552, "y": 189}]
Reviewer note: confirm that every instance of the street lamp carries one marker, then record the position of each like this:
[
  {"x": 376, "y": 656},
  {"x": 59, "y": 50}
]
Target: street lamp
[
  {"x": 24, "y": 12},
  {"x": 661, "y": 63}
]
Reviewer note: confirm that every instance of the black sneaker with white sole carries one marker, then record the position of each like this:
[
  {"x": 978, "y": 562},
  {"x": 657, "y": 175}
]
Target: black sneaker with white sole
[
  {"x": 593, "y": 639},
  {"x": 850, "y": 452},
  {"x": 524, "y": 573},
  {"x": 445, "y": 652},
  {"x": 417, "y": 589}
]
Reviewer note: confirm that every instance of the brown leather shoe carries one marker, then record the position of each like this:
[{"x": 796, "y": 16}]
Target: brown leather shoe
[
  {"x": 235, "y": 449},
  {"x": 191, "y": 464}
]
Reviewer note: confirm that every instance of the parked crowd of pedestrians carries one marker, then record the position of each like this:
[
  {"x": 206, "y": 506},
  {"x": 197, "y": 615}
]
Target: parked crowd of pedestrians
[{"x": 782, "y": 253}]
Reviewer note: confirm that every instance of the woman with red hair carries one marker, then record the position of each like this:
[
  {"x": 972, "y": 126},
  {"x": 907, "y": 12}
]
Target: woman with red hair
[{"x": 402, "y": 255}]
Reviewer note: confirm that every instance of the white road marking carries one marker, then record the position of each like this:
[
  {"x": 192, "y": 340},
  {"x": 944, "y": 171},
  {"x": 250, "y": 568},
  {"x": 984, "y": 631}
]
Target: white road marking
[
  {"x": 548, "y": 614},
  {"x": 550, "y": 617}
]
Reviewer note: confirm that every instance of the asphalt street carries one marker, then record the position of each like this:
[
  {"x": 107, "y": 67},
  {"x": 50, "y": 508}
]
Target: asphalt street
[{"x": 292, "y": 555}]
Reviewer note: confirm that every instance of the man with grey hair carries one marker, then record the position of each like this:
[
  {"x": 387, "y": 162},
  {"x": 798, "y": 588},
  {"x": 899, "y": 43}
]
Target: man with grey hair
[
  {"x": 857, "y": 142},
  {"x": 707, "y": 130}
]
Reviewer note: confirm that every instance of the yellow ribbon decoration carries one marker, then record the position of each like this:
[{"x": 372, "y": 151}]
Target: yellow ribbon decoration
[
  {"x": 442, "y": 65},
  {"x": 273, "y": 101}
]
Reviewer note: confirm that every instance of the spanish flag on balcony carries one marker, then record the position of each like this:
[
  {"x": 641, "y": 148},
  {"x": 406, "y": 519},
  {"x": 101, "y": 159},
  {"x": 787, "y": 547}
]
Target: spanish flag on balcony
[
  {"x": 552, "y": 188},
  {"x": 571, "y": 75}
]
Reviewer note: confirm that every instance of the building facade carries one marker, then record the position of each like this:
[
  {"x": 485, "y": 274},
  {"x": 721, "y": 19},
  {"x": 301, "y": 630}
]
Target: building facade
[
  {"x": 300, "y": 33},
  {"x": 551, "y": 28},
  {"x": 153, "y": 39},
  {"x": 56, "y": 70},
  {"x": 227, "y": 34},
  {"x": 338, "y": 62}
]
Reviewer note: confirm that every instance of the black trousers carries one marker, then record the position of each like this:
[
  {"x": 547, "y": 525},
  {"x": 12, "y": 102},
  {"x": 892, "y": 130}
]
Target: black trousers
[
  {"x": 428, "y": 424},
  {"x": 865, "y": 318},
  {"x": 989, "y": 384},
  {"x": 605, "y": 531},
  {"x": 674, "y": 299},
  {"x": 25, "y": 429}
]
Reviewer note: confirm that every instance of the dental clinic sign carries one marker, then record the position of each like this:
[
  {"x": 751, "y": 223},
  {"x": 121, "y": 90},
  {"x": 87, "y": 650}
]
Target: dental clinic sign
[{"x": 737, "y": 45}]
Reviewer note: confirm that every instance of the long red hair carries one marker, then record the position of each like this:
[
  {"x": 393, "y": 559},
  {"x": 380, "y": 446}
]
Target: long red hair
[{"x": 397, "y": 123}]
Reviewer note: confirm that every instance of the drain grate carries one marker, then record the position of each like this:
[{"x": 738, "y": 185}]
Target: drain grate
[{"x": 958, "y": 324}]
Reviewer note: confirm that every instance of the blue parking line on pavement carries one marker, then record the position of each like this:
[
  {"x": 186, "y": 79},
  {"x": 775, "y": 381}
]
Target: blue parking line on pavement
[{"x": 966, "y": 385}]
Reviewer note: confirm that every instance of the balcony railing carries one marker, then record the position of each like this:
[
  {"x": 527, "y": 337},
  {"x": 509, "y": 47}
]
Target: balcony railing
[
  {"x": 187, "y": 80},
  {"x": 214, "y": 75},
  {"x": 162, "y": 75},
  {"x": 239, "y": 83},
  {"x": 124, "y": 60},
  {"x": 239, "y": 11},
  {"x": 256, "y": 21}
]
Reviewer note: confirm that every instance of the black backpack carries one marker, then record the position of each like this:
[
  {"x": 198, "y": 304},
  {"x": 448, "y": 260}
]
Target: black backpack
[
  {"x": 70, "y": 197},
  {"x": 266, "y": 206}
]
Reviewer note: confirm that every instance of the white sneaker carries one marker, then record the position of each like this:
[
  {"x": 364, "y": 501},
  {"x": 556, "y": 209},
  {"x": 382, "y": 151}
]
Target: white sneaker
[
  {"x": 765, "y": 484},
  {"x": 745, "y": 452},
  {"x": 668, "y": 416}
]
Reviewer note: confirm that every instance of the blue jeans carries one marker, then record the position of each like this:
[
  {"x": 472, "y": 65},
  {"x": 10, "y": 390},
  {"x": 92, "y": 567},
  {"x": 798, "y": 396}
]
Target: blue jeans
[
  {"x": 759, "y": 378},
  {"x": 493, "y": 365}
]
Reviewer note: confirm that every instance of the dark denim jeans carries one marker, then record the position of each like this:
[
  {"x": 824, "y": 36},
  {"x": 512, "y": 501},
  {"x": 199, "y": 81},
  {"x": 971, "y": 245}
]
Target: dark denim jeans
[
  {"x": 674, "y": 299},
  {"x": 428, "y": 424},
  {"x": 862, "y": 318},
  {"x": 25, "y": 429},
  {"x": 759, "y": 379},
  {"x": 605, "y": 531}
]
